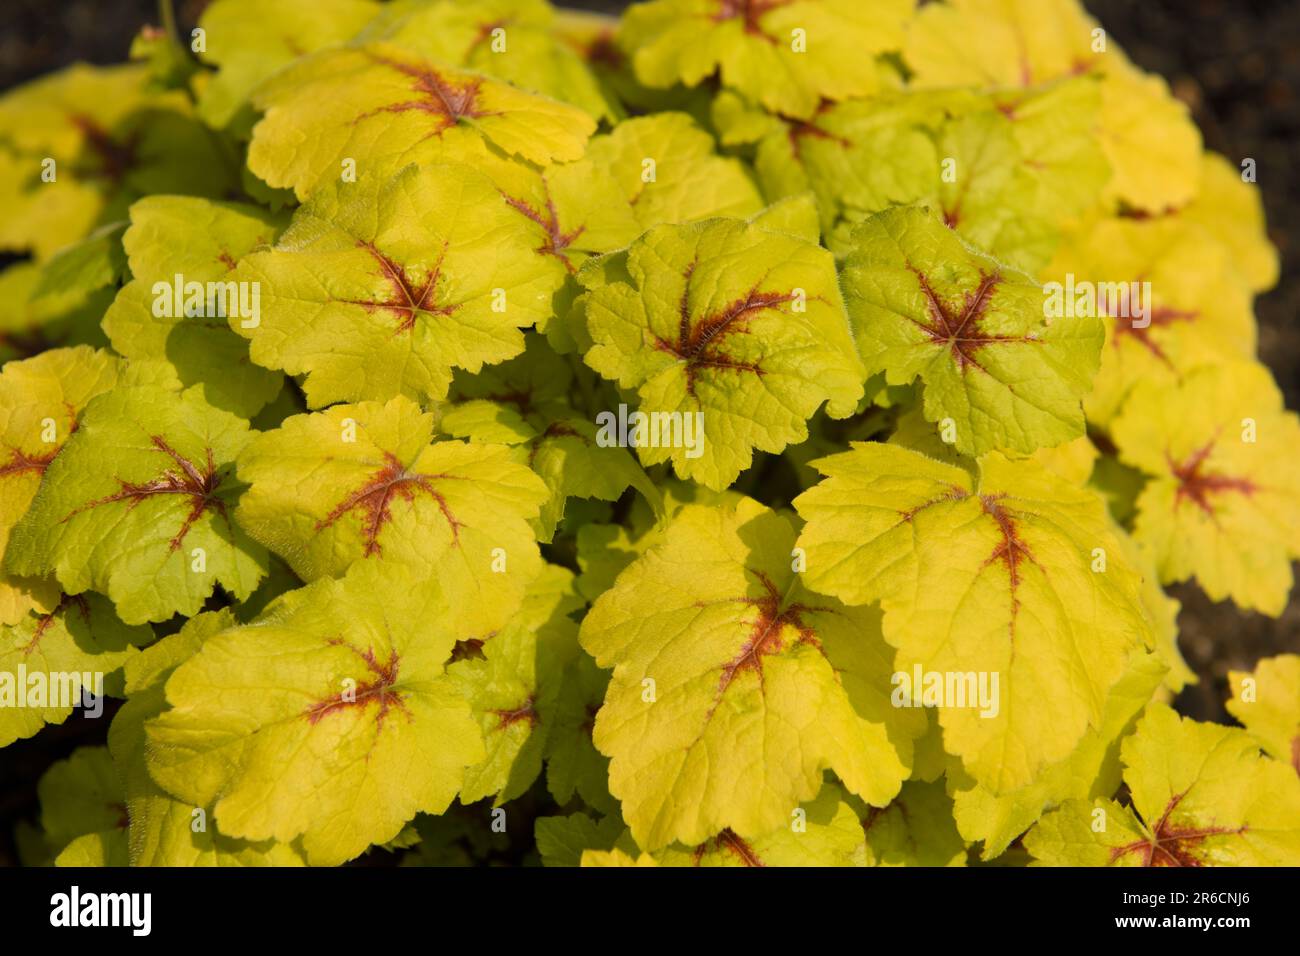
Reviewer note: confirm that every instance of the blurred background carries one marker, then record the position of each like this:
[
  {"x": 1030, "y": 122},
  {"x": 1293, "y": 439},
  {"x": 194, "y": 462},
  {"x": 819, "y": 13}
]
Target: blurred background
[{"x": 1235, "y": 63}]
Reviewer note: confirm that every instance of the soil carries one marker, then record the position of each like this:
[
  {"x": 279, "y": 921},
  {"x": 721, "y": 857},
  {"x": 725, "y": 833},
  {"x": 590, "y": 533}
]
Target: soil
[{"x": 1236, "y": 63}]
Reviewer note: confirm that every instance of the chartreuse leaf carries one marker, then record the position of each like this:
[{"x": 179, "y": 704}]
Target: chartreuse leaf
[
  {"x": 48, "y": 659},
  {"x": 687, "y": 180},
  {"x": 1149, "y": 140},
  {"x": 384, "y": 108},
  {"x": 789, "y": 56},
  {"x": 1024, "y": 167},
  {"x": 1221, "y": 502},
  {"x": 1162, "y": 611},
  {"x": 1267, "y": 702},
  {"x": 998, "y": 43},
  {"x": 1008, "y": 172},
  {"x": 420, "y": 274},
  {"x": 616, "y": 857},
  {"x": 830, "y": 152},
  {"x": 647, "y": 171},
  {"x": 824, "y": 831},
  {"x": 737, "y": 333},
  {"x": 362, "y": 483},
  {"x": 513, "y": 681},
  {"x": 30, "y": 325},
  {"x": 1092, "y": 770},
  {"x": 328, "y": 718},
  {"x": 80, "y": 795},
  {"x": 926, "y": 305},
  {"x": 525, "y": 403},
  {"x": 511, "y": 40},
  {"x": 1232, "y": 211},
  {"x": 991, "y": 580},
  {"x": 138, "y": 505},
  {"x": 1153, "y": 147},
  {"x": 1168, "y": 294},
  {"x": 1075, "y": 462},
  {"x": 1201, "y": 794},
  {"x": 102, "y": 848},
  {"x": 165, "y": 831},
  {"x": 604, "y": 550},
  {"x": 111, "y": 140},
  {"x": 174, "y": 241},
  {"x": 249, "y": 40},
  {"x": 40, "y": 401},
  {"x": 42, "y": 217},
  {"x": 733, "y": 687},
  {"x": 917, "y": 829}
]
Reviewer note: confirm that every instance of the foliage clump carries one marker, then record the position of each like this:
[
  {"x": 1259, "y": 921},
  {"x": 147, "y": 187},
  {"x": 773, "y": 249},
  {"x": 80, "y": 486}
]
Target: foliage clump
[{"x": 741, "y": 433}]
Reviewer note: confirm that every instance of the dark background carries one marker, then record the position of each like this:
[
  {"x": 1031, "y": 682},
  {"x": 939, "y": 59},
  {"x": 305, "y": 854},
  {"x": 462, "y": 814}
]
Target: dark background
[{"x": 1235, "y": 63}]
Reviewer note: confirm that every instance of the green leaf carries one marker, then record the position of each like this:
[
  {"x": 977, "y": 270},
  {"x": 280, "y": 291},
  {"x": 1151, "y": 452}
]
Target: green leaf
[
  {"x": 418, "y": 275},
  {"x": 728, "y": 324},
  {"x": 198, "y": 241},
  {"x": 917, "y": 829},
  {"x": 733, "y": 687},
  {"x": 991, "y": 579},
  {"x": 384, "y": 108},
  {"x": 80, "y": 795},
  {"x": 573, "y": 764},
  {"x": 362, "y": 483},
  {"x": 84, "y": 268},
  {"x": 756, "y": 46},
  {"x": 1200, "y": 795},
  {"x": 138, "y": 505},
  {"x": 561, "y": 841},
  {"x": 328, "y": 718},
  {"x": 925, "y": 305}
]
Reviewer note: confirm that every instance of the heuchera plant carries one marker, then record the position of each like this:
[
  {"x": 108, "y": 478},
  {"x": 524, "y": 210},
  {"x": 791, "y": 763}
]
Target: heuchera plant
[{"x": 750, "y": 432}]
